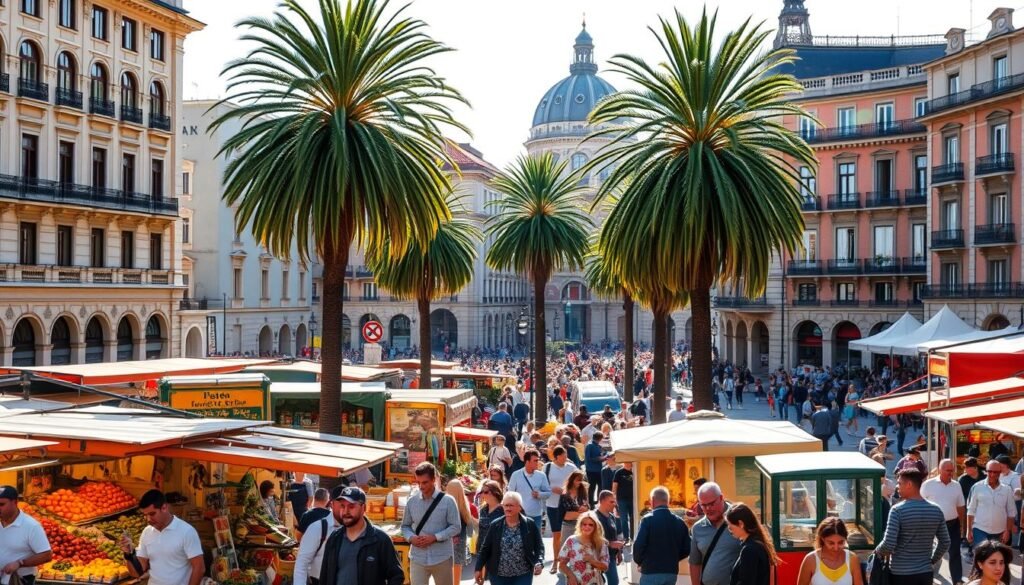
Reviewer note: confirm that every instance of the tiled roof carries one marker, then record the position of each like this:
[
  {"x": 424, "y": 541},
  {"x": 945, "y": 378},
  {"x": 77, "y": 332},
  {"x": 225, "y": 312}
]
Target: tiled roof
[
  {"x": 824, "y": 61},
  {"x": 468, "y": 158}
]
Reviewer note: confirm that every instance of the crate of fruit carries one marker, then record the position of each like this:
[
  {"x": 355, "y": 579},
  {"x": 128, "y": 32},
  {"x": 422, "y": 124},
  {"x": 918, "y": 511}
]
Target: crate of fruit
[{"x": 90, "y": 502}]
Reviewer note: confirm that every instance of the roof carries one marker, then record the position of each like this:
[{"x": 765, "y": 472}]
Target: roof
[
  {"x": 823, "y": 61},
  {"x": 280, "y": 388},
  {"x": 414, "y": 364},
  {"x": 12, "y": 405},
  {"x": 917, "y": 401},
  {"x": 140, "y": 371},
  {"x": 822, "y": 462},
  {"x": 969, "y": 337},
  {"x": 1013, "y": 425},
  {"x": 468, "y": 158},
  {"x": 571, "y": 99},
  {"x": 11, "y": 445},
  {"x": 943, "y": 325},
  {"x": 978, "y": 412},
  {"x": 349, "y": 373},
  {"x": 703, "y": 434},
  {"x": 222, "y": 380},
  {"x": 878, "y": 342}
]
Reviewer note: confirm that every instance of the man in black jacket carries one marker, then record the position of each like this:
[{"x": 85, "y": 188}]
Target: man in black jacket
[
  {"x": 361, "y": 553},
  {"x": 662, "y": 541}
]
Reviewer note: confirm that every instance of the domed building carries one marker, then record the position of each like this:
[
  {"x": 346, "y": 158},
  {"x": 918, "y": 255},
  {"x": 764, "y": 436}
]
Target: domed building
[{"x": 559, "y": 127}]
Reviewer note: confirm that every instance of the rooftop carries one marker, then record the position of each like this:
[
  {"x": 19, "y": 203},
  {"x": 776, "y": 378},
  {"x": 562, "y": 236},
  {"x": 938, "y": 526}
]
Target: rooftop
[{"x": 851, "y": 55}]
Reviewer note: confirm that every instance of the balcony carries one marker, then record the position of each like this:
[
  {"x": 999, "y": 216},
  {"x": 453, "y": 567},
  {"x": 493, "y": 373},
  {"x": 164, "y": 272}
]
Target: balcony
[
  {"x": 369, "y": 298},
  {"x": 34, "y": 89},
  {"x": 5, "y": 82},
  {"x": 915, "y": 265},
  {"x": 845, "y": 303},
  {"x": 741, "y": 303},
  {"x": 46, "y": 191},
  {"x": 881, "y": 265},
  {"x": 862, "y": 131},
  {"x": 994, "y": 164},
  {"x": 977, "y": 92},
  {"x": 979, "y": 290},
  {"x": 995, "y": 233},
  {"x": 883, "y": 199},
  {"x": 947, "y": 239},
  {"x": 131, "y": 114},
  {"x": 884, "y": 303},
  {"x": 811, "y": 204},
  {"x": 102, "y": 107},
  {"x": 844, "y": 266},
  {"x": 804, "y": 268},
  {"x": 948, "y": 173},
  {"x": 200, "y": 304},
  {"x": 316, "y": 298},
  {"x": 47, "y": 275},
  {"x": 69, "y": 98},
  {"x": 915, "y": 197},
  {"x": 159, "y": 122},
  {"x": 844, "y": 201},
  {"x": 806, "y": 302}
]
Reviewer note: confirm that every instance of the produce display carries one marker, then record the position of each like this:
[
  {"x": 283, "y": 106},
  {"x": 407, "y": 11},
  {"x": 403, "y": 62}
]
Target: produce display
[
  {"x": 133, "y": 524},
  {"x": 84, "y": 555},
  {"x": 89, "y": 502}
]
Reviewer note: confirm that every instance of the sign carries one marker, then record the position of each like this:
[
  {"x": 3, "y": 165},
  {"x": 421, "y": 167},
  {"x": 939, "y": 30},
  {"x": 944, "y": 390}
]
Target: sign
[
  {"x": 938, "y": 366},
  {"x": 316, "y": 342},
  {"x": 211, "y": 335},
  {"x": 221, "y": 403},
  {"x": 373, "y": 331},
  {"x": 419, "y": 428}
]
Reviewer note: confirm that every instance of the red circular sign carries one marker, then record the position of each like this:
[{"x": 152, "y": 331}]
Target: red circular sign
[{"x": 373, "y": 331}]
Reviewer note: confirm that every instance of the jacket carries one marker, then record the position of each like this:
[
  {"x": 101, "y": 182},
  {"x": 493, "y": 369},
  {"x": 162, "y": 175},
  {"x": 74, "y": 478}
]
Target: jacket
[
  {"x": 378, "y": 561},
  {"x": 661, "y": 542},
  {"x": 490, "y": 549}
]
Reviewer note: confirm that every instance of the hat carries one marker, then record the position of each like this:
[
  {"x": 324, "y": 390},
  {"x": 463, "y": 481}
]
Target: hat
[
  {"x": 8, "y": 492},
  {"x": 349, "y": 493}
]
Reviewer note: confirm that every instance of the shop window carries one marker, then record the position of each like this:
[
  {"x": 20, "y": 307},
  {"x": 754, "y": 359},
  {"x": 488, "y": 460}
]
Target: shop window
[{"x": 798, "y": 513}]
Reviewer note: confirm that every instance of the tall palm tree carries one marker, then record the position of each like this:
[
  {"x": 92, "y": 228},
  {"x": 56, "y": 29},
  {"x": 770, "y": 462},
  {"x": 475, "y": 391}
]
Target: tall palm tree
[
  {"x": 539, "y": 228},
  {"x": 340, "y": 143},
  {"x": 443, "y": 266},
  {"x": 701, "y": 159},
  {"x": 605, "y": 283}
]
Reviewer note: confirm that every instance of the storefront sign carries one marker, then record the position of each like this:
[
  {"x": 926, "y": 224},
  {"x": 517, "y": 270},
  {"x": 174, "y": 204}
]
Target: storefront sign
[
  {"x": 938, "y": 366},
  {"x": 225, "y": 403},
  {"x": 420, "y": 431}
]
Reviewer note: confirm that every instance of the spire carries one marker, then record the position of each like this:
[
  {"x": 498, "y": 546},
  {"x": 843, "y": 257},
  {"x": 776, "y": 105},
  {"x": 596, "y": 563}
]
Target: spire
[
  {"x": 794, "y": 25},
  {"x": 583, "y": 63}
]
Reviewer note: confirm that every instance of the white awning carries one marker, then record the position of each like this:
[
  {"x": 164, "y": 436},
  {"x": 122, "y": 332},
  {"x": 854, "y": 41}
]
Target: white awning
[{"x": 878, "y": 343}]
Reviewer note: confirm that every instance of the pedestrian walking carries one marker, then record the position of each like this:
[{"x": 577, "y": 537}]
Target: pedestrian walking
[
  {"x": 461, "y": 556},
  {"x": 757, "y": 558},
  {"x": 310, "y": 558},
  {"x": 915, "y": 525},
  {"x": 679, "y": 412},
  {"x": 821, "y": 425},
  {"x": 169, "y": 547},
  {"x": 832, "y": 562},
  {"x": 783, "y": 399},
  {"x": 532, "y": 486},
  {"x": 990, "y": 508},
  {"x": 608, "y": 469},
  {"x": 971, "y": 476},
  {"x": 593, "y": 457},
  {"x": 573, "y": 501},
  {"x": 23, "y": 542},
  {"x": 949, "y": 497},
  {"x": 662, "y": 541},
  {"x": 869, "y": 442},
  {"x": 622, "y": 487},
  {"x": 359, "y": 552},
  {"x": 850, "y": 411},
  {"x": 715, "y": 550},
  {"x": 605, "y": 514},
  {"x": 513, "y": 552},
  {"x": 583, "y": 557},
  {"x": 499, "y": 455},
  {"x": 991, "y": 565},
  {"x": 835, "y": 417},
  {"x": 730, "y": 389},
  {"x": 430, "y": 523},
  {"x": 320, "y": 510},
  {"x": 557, "y": 472}
]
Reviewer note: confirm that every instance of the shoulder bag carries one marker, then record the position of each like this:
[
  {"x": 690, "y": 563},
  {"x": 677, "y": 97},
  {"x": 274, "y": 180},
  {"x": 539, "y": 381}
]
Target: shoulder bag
[
  {"x": 711, "y": 549},
  {"x": 430, "y": 510}
]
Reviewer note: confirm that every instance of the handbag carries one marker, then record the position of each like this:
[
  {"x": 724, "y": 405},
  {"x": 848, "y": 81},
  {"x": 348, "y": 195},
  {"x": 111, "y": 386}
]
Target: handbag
[{"x": 879, "y": 571}]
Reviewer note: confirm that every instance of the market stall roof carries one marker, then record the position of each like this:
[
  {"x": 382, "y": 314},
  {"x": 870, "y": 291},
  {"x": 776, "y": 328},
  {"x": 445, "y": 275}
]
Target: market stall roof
[
  {"x": 878, "y": 343},
  {"x": 349, "y": 373},
  {"x": 11, "y": 445},
  {"x": 458, "y": 403},
  {"x": 139, "y": 371},
  {"x": 989, "y": 359},
  {"x": 917, "y": 401},
  {"x": 12, "y": 405},
  {"x": 473, "y": 434},
  {"x": 824, "y": 462},
  {"x": 970, "y": 337},
  {"x": 977, "y": 412},
  {"x": 706, "y": 434},
  {"x": 216, "y": 381},
  {"x": 314, "y": 387},
  {"x": 943, "y": 325},
  {"x": 1013, "y": 425},
  {"x": 415, "y": 364},
  {"x": 452, "y": 373}
]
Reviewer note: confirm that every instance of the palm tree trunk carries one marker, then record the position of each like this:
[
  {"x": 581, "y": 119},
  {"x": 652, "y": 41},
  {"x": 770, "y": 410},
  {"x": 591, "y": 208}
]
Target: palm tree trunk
[
  {"x": 660, "y": 379},
  {"x": 627, "y": 375},
  {"x": 540, "y": 388},
  {"x": 335, "y": 260},
  {"x": 700, "y": 345},
  {"x": 426, "y": 355}
]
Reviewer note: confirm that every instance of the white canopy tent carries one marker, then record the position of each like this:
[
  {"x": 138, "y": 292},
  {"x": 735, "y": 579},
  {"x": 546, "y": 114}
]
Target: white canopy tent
[
  {"x": 971, "y": 337},
  {"x": 879, "y": 342},
  {"x": 942, "y": 325}
]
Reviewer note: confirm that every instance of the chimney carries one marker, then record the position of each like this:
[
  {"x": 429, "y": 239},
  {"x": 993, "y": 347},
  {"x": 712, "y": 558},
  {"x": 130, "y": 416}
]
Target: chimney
[
  {"x": 1002, "y": 22},
  {"x": 955, "y": 40}
]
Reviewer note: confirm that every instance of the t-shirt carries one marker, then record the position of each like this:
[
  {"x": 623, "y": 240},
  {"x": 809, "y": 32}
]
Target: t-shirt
[
  {"x": 312, "y": 516},
  {"x": 169, "y": 551},
  {"x": 624, "y": 478},
  {"x": 948, "y": 497},
  {"x": 719, "y": 566},
  {"x": 21, "y": 539},
  {"x": 556, "y": 478}
]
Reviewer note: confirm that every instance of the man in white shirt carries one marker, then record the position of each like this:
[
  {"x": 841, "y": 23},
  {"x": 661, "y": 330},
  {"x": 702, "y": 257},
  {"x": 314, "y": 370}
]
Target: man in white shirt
[
  {"x": 679, "y": 413},
  {"x": 499, "y": 454},
  {"x": 990, "y": 509},
  {"x": 557, "y": 472},
  {"x": 23, "y": 542},
  {"x": 310, "y": 558},
  {"x": 946, "y": 493},
  {"x": 588, "y": 431},
  {"x": 169, "y": 547}
]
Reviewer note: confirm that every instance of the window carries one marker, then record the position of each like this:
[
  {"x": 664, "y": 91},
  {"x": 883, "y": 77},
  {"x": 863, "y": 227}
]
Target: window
[
  {"x": 128, "y": 173},
  {"x": 99, "y": 168},
  {"x": 884, "y": 116},
  {"x": 156, "y": 45},
  {"x": 998, "y": 272},
  {"x": 129, "y": 91},
  {"x": 284, "y": 284},
  {"x": 99, "y": 83},
  {"x": 578, "y": 160},
  {"x": 953, "y": 84},
  {"x": 883, "y": 176},
  {"x": 236, "y": 290},
  {"x": 186, "y": 230},
  {"x": 885, "y": 246},
  {"x": 29, "y": 157},
  {"x": 807, "y": 128},
  {"x": 808, "y": 183},
  {"x": 67, "y": 76},
  {"x": 999, "y": 70},
  {"x": 998, "y": 139},
  {"x": 846, "y": 245},
  {"x": 918, "y": 241},
  {"x": 27, "y": 243},
  {"x": 302, "y": 284},
  {"x": 97, "y": 247},
  {"x": 30, "y": 68},
  {"x": 920, "y": 106},
  {"x": 809, "y": 249},
  {"x": 186, "y": 183},
  {"x": 128, "y": 39},
  {"x": 127, "y": 249},
  {"x": 999, "y": 209},
  {"x": 370, "y": 291},
  {"x": 951, "y": 215},
  {"x": 265, "y": 285},
  {"x": 807, "y": 292},
  {"x": 950, "y": 274},
  {"x": 883, "y": 292},
  {"x": 156, "y": 251},
  {"x": 66, "y": 163},
  {"x": 951, "y": 152},
  {"x": 99, "y": 23},
  {"x": 157, "y": 179},
  {"x": 65, "y": 248},
  {"x": 921, "y": 174},
  {"x": 847, "y": 181},
  {"x": 30, "y": 7},
  {"x": 66, "y": 14},
  {"x": 846, "y": 291},
  {"x": 157, "y": 101},
  {"x": 918, "y": 288},
  {"x": 847, "y": 118}
]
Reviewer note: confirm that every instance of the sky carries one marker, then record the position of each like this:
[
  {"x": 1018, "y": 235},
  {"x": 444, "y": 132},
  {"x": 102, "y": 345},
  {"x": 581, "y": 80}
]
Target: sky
[{"x": 508, "y": 53}]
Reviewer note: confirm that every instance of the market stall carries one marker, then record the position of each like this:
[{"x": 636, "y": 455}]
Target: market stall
[
  {"x": 305, "y": 371},
  {"x": 978, "y": 362},
  {"x": 798, "y": 491},
  {"x": 138, "y": 372},
  {"x": 297, "y": 405},
  {"x": 417, "y": 418},
  {"x": 244, "y": 396}
]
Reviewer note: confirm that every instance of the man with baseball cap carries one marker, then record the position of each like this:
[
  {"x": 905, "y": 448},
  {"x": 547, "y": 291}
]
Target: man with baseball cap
[
  {"x": 359, "y": 552},
  {"x": 23, "y": 542}
]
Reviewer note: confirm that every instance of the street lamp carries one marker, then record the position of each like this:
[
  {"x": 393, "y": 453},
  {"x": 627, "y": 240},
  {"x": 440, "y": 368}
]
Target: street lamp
[
  {"x": 312, "y": 333},
  {"x": 556, "y": 327},
  {"x": 525, "y": 326}
]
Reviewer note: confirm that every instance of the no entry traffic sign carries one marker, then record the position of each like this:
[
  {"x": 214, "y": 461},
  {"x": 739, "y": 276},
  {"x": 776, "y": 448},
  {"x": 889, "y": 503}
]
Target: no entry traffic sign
[{"x": 373, "y": 331}]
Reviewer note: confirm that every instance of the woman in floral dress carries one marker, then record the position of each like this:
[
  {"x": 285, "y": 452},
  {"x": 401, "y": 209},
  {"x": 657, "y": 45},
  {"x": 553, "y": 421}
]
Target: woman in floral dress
[{"x": 584, "y": 555}]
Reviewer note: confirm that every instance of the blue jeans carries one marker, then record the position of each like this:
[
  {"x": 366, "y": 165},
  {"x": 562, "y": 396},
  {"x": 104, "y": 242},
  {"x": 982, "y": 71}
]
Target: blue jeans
[
  {"x": 659, "y": 579},
  {"x": 611, "y": 576},
  {"x": 539, "y": 521},
  {"x": 526, "y": 579},
  {"x": 783, "y": 409},
  {"x": 626, "y": 518},
  {"x": 981, "y": 536}
]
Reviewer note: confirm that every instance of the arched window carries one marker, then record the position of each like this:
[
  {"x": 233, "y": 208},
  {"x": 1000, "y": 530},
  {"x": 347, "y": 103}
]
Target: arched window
[
  {"x": 154, "y": 339},
  {"x": 60, "y": 339},
  {"x": 578, "y": 160},
  {"x": 31, "y": 68},
  {"x": 94, "y": 341},
  {"x": 99, "y": 83},
  {"x": 67, "y": 78},
  {"x": 129, "y": 91},
  {"x": 24, "y": 343},
  {"x": 157, "y": 100},
  {"x": 125, "y": 341}
]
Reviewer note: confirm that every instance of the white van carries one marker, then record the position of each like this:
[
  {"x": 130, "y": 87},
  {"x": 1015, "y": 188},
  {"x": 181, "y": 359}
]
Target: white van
[{"x": 595, "y": 395}]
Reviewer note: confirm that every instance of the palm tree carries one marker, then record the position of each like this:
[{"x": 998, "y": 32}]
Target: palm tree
[
  {"x": 701, "y": 163},
  {"x": 539, "y": 228},
  {"x": 423, "y": 273},
  {"x": 604, "y": 283},
  {"x": 340, "y": 143}
]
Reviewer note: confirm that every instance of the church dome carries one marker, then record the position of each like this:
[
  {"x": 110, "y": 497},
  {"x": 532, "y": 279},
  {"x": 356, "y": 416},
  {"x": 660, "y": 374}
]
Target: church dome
[{"x": 572, "y": 99}]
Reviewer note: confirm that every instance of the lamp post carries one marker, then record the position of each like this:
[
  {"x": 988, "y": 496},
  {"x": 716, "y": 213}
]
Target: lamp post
[
  {"x": 312, "y": 334},
  {"x": 556, "y": 327},
  {"x": 525, "y": 326},
  {"x": 714, "y": 332}
]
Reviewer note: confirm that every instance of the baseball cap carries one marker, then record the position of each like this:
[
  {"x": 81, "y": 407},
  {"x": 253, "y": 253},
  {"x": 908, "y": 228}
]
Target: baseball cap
[
  {"x": 8, "y": 492},
  {"x": 349, "y": 494}
]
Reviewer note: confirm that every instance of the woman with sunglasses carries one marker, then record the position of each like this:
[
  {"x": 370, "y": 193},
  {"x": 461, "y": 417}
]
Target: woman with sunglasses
[
  {"x": 490, "y": 507},
  {"x": 495, "y": 474},
  {"x": 584, "y": 555}
]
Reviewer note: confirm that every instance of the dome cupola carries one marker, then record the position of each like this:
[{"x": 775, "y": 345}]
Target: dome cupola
[{"x": 572, "y": 98}]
